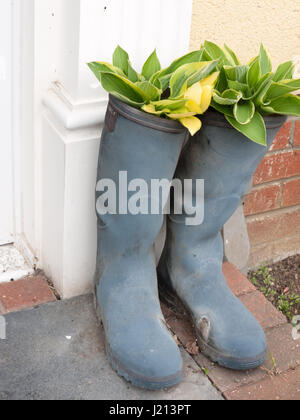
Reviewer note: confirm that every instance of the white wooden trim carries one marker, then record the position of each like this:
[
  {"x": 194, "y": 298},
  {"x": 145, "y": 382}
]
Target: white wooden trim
[
  {"x": 16, "y": 126},
  {"x": 71, "y": 115},
  {"x": 6, "y": 110}
]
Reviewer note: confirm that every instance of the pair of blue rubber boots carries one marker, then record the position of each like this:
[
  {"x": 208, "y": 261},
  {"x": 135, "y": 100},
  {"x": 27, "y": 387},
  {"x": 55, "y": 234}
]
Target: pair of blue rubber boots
[{"x": 138, "y": 343}]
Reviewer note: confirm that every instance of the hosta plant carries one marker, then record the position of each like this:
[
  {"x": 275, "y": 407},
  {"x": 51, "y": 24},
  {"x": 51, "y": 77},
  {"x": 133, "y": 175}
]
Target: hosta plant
[
  {"x": 178, "y": 92},
  {"x": 247, "y": 93}
]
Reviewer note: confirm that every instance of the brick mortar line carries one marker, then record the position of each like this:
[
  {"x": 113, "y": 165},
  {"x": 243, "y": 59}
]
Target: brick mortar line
[
  {"x": 274, "y": 242},
  {"x": 280, "y": 183},
  {"x": 259, "y": 187},
  {"x": 273, "y": 183},
  {"x": 282, "y": 151},
  {"x": 261, "y": 216},
  {"x": 271, "y": 259},
  {"x": 266, "y": 183},
  {"x": 281, "y": 194},
  {"x": 275, "y": 152},
  {"x": 290, "y": 140},
  {"x": 264, "y": 187}
]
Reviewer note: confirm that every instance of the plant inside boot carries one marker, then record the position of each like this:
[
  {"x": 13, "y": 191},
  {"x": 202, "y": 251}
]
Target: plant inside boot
[
  {"x": 178, "y": 92},
  {"x": 210, "y": 76}
]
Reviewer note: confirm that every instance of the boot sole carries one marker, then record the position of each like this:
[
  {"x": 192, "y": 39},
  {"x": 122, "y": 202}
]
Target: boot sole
[
  {"x": 134, "y": 378},
  {"x": 227, "y": 361},
  {"x": 213, "y": 354}
]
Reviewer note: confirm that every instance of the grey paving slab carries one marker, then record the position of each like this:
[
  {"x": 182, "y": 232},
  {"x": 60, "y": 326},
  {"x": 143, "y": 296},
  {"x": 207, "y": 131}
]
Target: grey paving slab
[{"x": 56, "y": 352}]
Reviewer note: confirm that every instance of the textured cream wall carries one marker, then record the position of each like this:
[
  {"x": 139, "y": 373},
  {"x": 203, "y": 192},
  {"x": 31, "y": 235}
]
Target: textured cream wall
[{"x": 243, "y": 24}]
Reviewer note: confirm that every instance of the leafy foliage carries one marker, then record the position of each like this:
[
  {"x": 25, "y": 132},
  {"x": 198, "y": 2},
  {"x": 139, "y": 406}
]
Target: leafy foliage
[
  {"x": 210, "y": 76},
  {"x": 179, "y": 92},
  {"x": 247, "y": 93}
]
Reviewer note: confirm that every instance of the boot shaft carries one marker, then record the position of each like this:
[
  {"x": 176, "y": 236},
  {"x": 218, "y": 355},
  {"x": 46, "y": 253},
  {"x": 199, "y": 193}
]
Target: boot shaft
[
  {"x": 226, "y": 160},
  {"x": 136, "y": 148}
]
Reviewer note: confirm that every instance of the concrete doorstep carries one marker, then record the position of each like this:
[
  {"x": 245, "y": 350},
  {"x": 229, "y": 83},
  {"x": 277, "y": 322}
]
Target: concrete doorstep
[{"x": 56, "y": 352}]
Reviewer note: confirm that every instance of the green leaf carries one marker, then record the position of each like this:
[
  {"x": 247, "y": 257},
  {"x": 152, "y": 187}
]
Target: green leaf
[
  {"x": 128, "y": 101},
  {"x": 164, "y": 81},
  {"x": 165, "y": 75},
  {"x": 261, "y": 88},
  {"x": 170, "y": 104},
  {"x": 236, "y": 73},
  {"x": 202, "y": 73},
  {"x": 189, "y": 74},
  {"x": 232, "y": 55},
  {"x": 250, "y": 62},
  {"x": 151, "y": 92},
  {"x": 255, "y": 130},
  {"x": 261, "y": 98},
  {"x": 284, "y": 71},
  {"x": 223, "y": 109},
  {"x": 244, "y": 112},
  {"x": 253, "y": 74},
  {"x": 116, "y": 84},
  {"x": 242, "y": 87},
  {"x": 133, "y": 76},
  {"x": 120, "y": 59},
  {"x": 222, "y": 84},
  {"x": 151, "y": 66},
  {"x": 98, "y": 68},
  {"x": 263, "y": 81},
  {"x": 292, "y": 83},
  {"x": 264, "y": 61},
  {"x": 217, "y": 53},
  {"x": 281, "y": 89},
  {"x": 193, "y": 57},
  {"x": 229, "y": 97},
  {"x": 232, "y": 94},
  {"x": 157, "y": 83},
  {"x": 285, "y": 105}
]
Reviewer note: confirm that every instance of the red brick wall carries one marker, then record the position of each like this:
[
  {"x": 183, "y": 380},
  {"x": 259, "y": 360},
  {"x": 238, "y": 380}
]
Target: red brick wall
[{"x": 272, "y": 209}]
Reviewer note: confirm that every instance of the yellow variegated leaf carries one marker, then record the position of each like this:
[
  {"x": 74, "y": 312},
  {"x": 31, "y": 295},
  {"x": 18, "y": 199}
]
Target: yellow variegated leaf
[
  {"x": 189, "y": 74},
  {"x": 171, "y": 104},
  {"x": 181, "y": 113},
  {"x": 193, "y": 124},
  {"x": 210, "y": 80},
  {"x": 194, "y": 107},
  {"x": 194, "y": 93},
  {"x": 206, "y": 98},
  {"x": 200, "y": 94},
  {"x": 151, "y": 109}
]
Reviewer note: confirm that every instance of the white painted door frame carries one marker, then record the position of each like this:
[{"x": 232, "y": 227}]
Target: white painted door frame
[
  {"x": 17, "y": 154},
  {"x": 6, "y": 123}
]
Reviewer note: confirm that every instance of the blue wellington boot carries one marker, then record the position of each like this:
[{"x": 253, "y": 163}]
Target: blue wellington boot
[
  {"x": 192, "y": 260},
  {"x": 139, "y": 346}
]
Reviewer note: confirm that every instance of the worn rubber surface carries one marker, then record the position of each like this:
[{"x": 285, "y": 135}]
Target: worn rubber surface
[
  {"x": 192, "y": 260},
  {"x": 139, "y": 345},
  {"x": 133, "y": 377}
]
